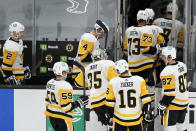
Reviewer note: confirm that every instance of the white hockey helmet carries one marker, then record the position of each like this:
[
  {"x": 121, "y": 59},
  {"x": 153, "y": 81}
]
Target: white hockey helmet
[
  {"x": 121, "y": 66},
  {"x": 150, "y": 13},
  {"x": 170, "y": 7},
  {"x": 100, "y": 24},
  {"x": 142, "y": 15},
  {"x": 17, "y": 27},
  {"x": 169, "y": 51},
  {"x": 99, "y": 54},
  {"x": 59, "y": 67}
]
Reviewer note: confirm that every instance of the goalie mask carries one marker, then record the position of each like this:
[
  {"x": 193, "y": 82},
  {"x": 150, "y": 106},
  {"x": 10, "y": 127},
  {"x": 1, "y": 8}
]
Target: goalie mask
[
  {"x": 121, "y": 66},
  {"x": 169, "y": 52},
  {"x": 59, "y": 67},
  {"x": 99, "y": 54}
]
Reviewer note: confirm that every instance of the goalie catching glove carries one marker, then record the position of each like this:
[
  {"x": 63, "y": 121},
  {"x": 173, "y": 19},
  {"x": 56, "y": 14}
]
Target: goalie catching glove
[{"x": 82, "y": 101}]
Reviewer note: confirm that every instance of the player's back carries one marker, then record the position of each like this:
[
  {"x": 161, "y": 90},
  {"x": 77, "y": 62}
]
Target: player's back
[
  {"x": 97, "y": 75},
  {"x": 174, "y": 82},
  {"x": 156, "y": 31},
  {"x": 138, "y": 39},
  {"x": 129, "y": 93},
  {"x": 166, "y": 25},
  {"x": 87, "y": 44},
  {"x": 58, "y": 91},
  {"x": 13, "y": 57}
]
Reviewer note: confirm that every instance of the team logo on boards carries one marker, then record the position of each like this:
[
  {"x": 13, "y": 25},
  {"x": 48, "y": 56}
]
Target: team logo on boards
[
  {"x": 77, "y": 113},
  {"x": 69, "y": 47},
  {"x": 49, "y": 58},
  {"x": 43, "y": 47},
  {"x": 43, "y": 69},
  {"x": 63, "y": 58}
]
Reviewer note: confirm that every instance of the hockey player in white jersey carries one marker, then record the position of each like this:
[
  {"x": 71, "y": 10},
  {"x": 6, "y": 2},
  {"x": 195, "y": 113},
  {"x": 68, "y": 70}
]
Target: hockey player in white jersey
[
  {"x": 173, "y": 105},
  {"x": 59, "y": 99},
  {"x": 88, "y": 43},
  {"x": 156, "y": 92},
  {"x": 98, "y": 74},
  {"x": 125, "y": 98},
  {"x": 160, "y": 40},
  {"x": 12, "y": 65},
  {"x": 166, "y": 25},
  {"x": 140, "y": 47}
]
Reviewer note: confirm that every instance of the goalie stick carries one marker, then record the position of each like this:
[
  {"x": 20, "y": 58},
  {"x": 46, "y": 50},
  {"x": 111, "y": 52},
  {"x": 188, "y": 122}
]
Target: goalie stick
[{"x": 79, "y": 65}]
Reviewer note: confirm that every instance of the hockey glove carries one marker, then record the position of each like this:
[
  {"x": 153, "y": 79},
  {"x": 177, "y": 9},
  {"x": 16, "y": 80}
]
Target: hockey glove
[
  {"x": 27, "y": 73},
  {"x": 161, "y": 109},
  {"x": 82, "y": 101},
  {"x": 109, "y": 119},
  {"x": 148, "y": 113},
  {"x": 12, "y": 80},
  {"x": 165, "y": 38}
]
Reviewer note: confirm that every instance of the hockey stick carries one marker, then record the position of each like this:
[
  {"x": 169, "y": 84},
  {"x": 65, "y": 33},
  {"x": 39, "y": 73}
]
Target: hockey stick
[
  {"x": 79, "y": 65},
  {"x": 102, "y": 25},
  {"x": 150, "y": 76},
  {"x": 145, "y": 126}
]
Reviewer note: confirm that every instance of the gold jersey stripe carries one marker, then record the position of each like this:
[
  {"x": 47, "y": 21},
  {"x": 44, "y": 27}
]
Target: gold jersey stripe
[
  {"x": 97, "y": 97},
  {"x": 110, "y": 105},
  {"x": 141, "y": 68},
  {"x": 139, "y": 61},
  {"x": 180, "y": 100},
  {"x": 128, "y": 123},
  {"x": 58, "y": 116},
  {"x": 128, "y": 115},
  {"x": 98, "y": 105}
]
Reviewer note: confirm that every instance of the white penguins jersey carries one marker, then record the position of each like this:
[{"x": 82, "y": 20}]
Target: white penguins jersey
[
  {"x": 97, "y": 76},
  {"x": 166, "y": 25},
  {"x": 127, "y": 95},
  {"x": 13, "y": 58},
  {"x": 59, "y": 97},
  {"x": 88, "y": 43},
  {"x": 138, "y": 41},
  {"x": 156, "y": 32},
  {"x": 174, "y": 83}
]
